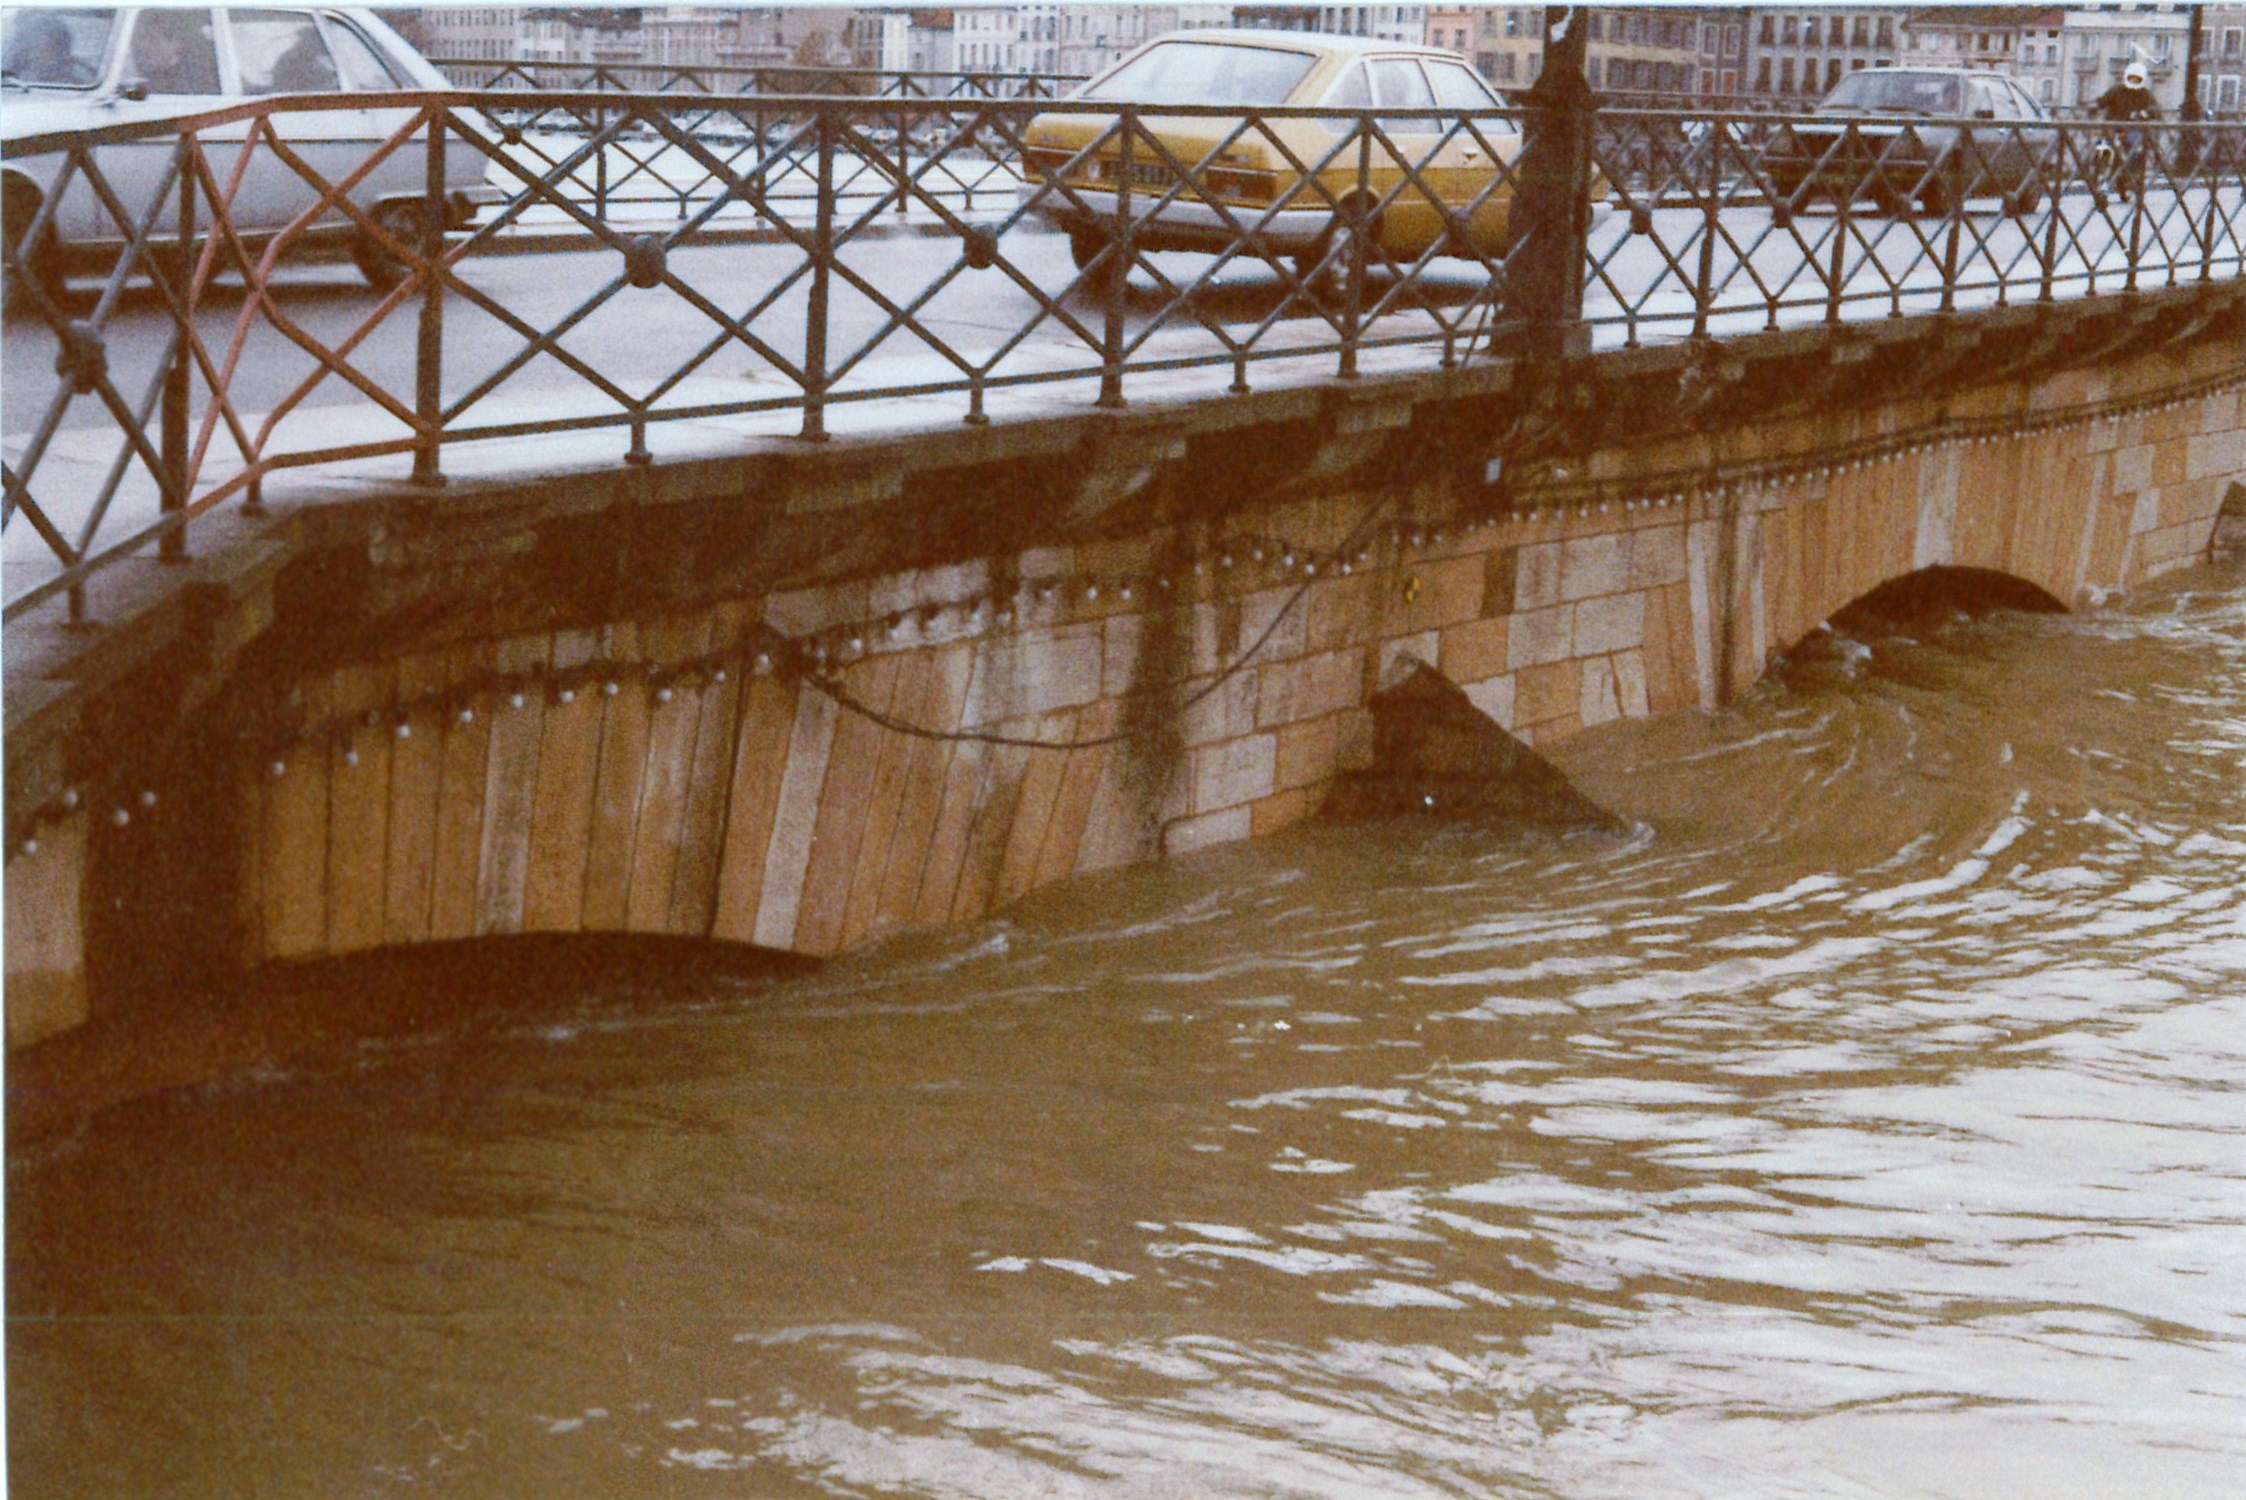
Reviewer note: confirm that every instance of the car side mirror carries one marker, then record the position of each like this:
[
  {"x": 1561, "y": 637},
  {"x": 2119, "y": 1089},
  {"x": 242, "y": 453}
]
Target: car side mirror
[
  {"x": 135, "y": 89},
  {"x": 1984, "y": 114}
]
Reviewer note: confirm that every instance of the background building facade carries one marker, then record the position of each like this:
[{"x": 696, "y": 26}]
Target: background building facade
[{"x": 1761, "y": 56}]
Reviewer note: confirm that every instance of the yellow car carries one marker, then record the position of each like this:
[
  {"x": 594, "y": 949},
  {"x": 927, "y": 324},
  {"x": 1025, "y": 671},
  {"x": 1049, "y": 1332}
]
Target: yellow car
[{"x": 1278, "y": 185}]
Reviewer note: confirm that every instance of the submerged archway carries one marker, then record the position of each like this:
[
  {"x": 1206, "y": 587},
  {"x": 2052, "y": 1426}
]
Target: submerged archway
[
  {"x": 1936, "y": 595},
  {"x": 1911, "y": 605}
]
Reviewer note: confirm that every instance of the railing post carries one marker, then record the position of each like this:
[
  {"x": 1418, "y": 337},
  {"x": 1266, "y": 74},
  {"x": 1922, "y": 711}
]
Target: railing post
[
  {"x": 822, "y": 275},
  {"x": 2206, "y": 228},
  {"x": 2137, "y": 220},
  {"x": 600, "y": 167},
  {"x": 1119, "y": 267},
  {"x": 1704, "y": 288},
  {"x": 1953, "y": 203},
  {"x": 428, "y": 365},
  {"x": 1544, "y": 273},
  {"x": 1836, "y": 271},
  {"x": 1358, "y": 217},
  {"x": 178, "y": 375},
  {"x": 2051, "y": 234},
  {"x": 904, "y": 162}
]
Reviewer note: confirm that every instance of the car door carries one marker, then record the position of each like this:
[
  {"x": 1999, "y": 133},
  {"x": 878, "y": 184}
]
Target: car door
[
  {"x": 1413, "y": 216},
  {"x": 1996, "y": 160},
  {"x": 2033, "y": 141},
  {"x": 59, "y": 63},
  {"x": 284, "y": 52},
  {"x": 1470, "y": 166},
  {"x": 168, "y": 67},
  {"x": 365, "y": 70}
]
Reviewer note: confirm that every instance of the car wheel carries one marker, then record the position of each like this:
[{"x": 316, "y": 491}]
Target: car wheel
[
  {"x": 39, "y": 264},
  {"x": 1084, "y": 248},
  {"x": 1885, "y": 197},
  {"x": 1944, "y": 193},
  {"x": 383, "y": 270},
  {"x": 1339, "y": 265},
  {"x": 172, "y": 264}
]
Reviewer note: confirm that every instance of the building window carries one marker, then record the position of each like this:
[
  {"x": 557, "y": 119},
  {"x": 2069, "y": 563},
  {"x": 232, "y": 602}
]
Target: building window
[{"x": 1785, "y": 75}]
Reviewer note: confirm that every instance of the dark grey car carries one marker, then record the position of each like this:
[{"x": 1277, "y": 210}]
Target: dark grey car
[{"x": 1933, "y": 136}]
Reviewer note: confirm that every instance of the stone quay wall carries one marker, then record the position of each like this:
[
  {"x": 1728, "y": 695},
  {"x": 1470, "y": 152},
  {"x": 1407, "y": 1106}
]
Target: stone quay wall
[{"x": 809, "y": 767}]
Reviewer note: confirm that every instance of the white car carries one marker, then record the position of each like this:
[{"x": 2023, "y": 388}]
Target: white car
[{"x": 83, "y": 68}]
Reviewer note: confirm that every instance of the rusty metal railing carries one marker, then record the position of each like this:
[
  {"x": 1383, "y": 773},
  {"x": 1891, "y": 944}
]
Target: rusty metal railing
[
  {"x": 181, "y": 333},
  {"x": 1758, "y": 221}
]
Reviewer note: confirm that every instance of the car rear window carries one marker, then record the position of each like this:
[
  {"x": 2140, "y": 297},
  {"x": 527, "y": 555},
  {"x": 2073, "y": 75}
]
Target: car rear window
[
  {"x": 363, "y": 67},
  {"x": 1456, "y": 86},
  {"x": 1916, "y": 93},
  {"x": 1204, "y": 73},
  {"x": 55, "y": 48}
]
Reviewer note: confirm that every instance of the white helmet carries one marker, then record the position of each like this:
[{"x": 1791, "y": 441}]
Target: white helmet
[{"x": 2134, "y": 75}]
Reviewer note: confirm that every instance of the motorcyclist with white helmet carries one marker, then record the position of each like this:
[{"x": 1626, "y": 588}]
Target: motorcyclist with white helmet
[{"x": 2129, "y": 102}]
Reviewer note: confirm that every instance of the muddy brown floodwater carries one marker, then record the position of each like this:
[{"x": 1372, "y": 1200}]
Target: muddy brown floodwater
[{"x": 1871, "y": 1121}]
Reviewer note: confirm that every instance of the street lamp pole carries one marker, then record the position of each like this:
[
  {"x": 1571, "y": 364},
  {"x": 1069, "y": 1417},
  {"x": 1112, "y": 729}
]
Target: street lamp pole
[{"x": 2192, "y": 37}]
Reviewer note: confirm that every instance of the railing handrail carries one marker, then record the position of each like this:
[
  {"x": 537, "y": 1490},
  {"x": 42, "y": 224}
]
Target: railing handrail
[
  {"x": 610, "y": 101},
  {"x": 48, "y": 142}
]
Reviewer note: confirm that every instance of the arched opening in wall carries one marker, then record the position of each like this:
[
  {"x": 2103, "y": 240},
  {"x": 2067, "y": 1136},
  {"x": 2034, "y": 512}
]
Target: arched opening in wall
[{"x": 1913, "y": 607}]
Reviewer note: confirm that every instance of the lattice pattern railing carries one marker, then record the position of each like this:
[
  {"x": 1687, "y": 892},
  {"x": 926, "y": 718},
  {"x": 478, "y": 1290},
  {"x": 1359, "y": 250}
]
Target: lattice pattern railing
[
  {"x": 775, "y": 262},
  {"x": 1755, "y": 221}
]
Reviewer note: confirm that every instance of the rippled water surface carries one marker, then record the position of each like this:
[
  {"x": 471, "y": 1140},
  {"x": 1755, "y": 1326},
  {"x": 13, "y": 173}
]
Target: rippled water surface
[{"x": 1872, "y": 1122}]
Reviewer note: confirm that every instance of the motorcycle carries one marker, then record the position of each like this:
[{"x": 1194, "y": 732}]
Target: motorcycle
[{"x": 2118, "y": 168}]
